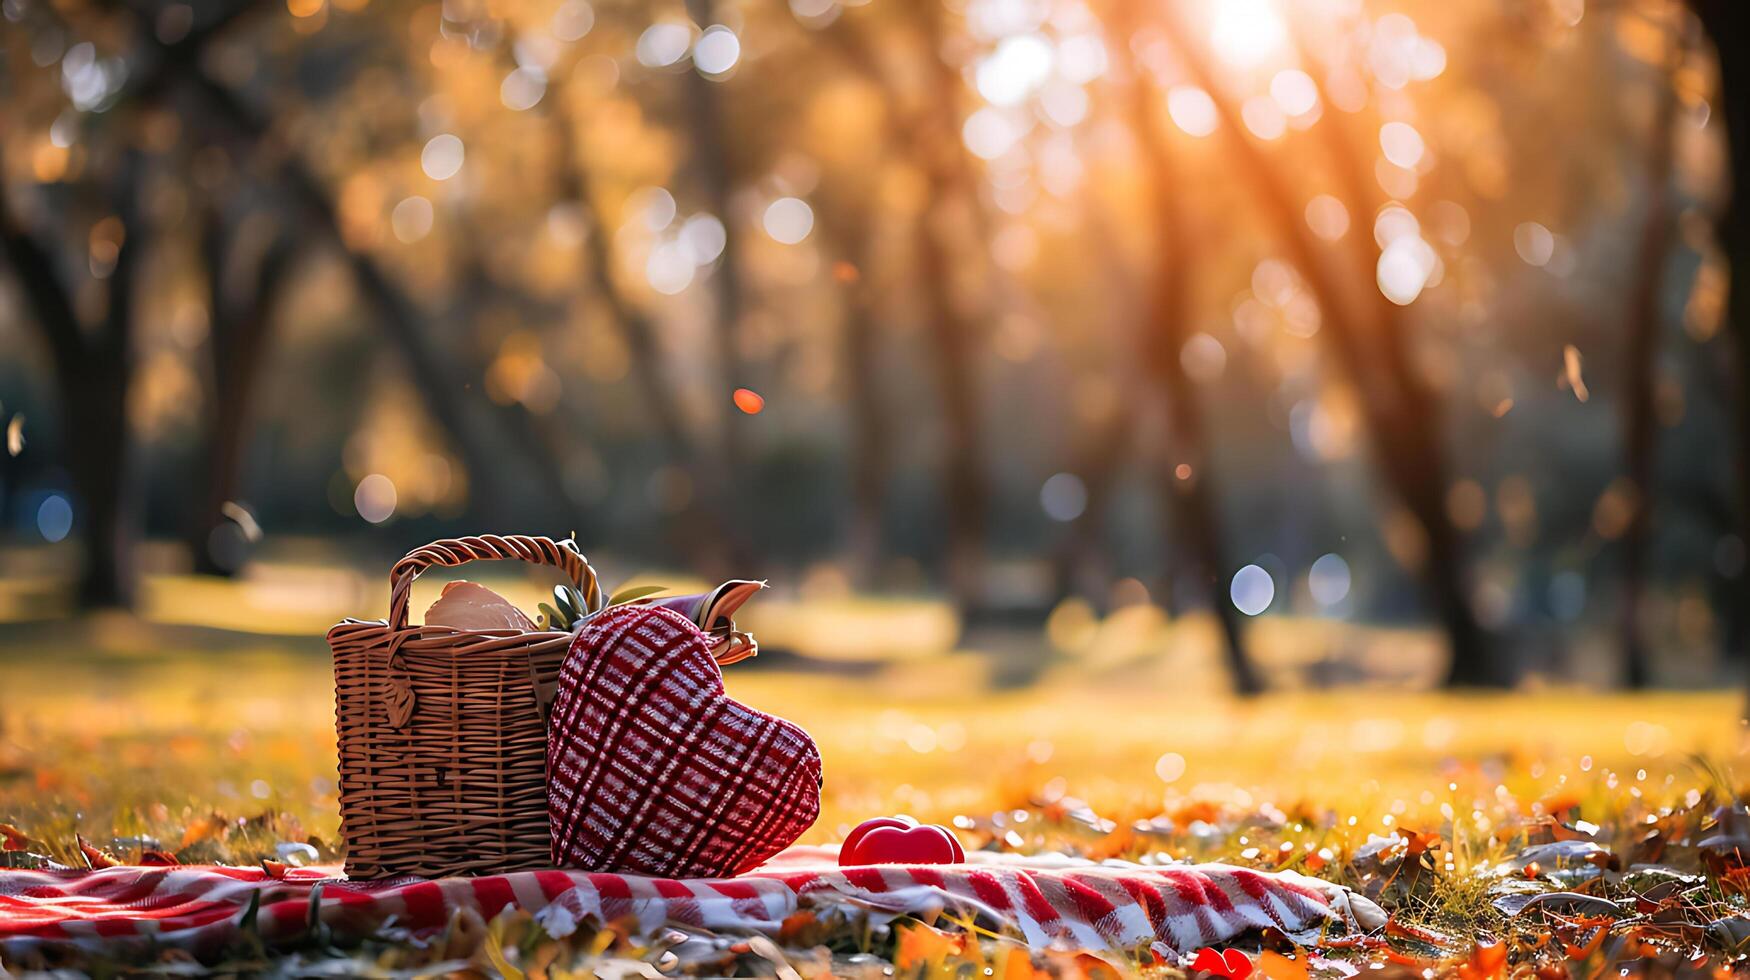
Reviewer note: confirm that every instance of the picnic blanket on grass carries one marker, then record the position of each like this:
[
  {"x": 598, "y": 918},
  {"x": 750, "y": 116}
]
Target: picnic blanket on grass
[{"x": 1051, "y": 902}]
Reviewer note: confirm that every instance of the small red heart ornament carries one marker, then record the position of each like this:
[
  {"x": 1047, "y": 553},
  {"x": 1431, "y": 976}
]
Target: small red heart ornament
[
  {"x": 900, "y": 840},
  {"x": 855, "y": 837},
  {"x": 653, "y": 769},
  {"x": 1229, "y": 963}
]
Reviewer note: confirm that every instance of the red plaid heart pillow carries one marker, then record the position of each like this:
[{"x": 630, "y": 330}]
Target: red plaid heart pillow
[{"x": 652, "y": 769}]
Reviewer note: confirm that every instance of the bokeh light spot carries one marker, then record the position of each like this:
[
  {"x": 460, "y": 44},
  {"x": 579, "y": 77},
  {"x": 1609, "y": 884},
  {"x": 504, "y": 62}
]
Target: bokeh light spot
[
  {"x": 1018, "y": 66},
  {"x": 1170, "y": 767},
  {"x": 1534, "y": 243},
  {"x": 1393, "y": 222},
  {"x": 1081, "y": 58},
  {"x": 749, "y": 401},
  {"x": 1401, "y": 144},
  {"x": 1404, "y": 269},
  {"x": 989, "y": 133},
  {"x": 815, "y": 12},
  {"x": 1192, "y": 110},
  {"x": 788, "y": 220},
  {"x": 1246, "y": 33},
  {"x": 412, "y": 219},
  {"x": 442, "y": 157},
  {"x": 1063, "y": 497},
  {"x": 1327, "y": 217},
  {"x": 1203, "y": 358},
  {"x": 1295, "y": 91},
  {"x": 1064, "y": 104},
  {"x": 54, "y": 517},
  {"x": 1328, "y": 580},
  {"x": 1252, "y": 590},
  {"x": 573, "y": 20},
  {"x": 670, "y": 268},
  {"x": 654, "y": 206},
  {"x": 375, "y": 498},
  {"x": 704, "y": 237},
  {"x": 1263, "y": 117},
  {"x": 717, "y": 50},
  {"x": 523, "y": 88},
  {"x": 662, "y": 44}
]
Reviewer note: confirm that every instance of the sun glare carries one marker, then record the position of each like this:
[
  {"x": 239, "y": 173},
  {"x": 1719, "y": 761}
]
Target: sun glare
[
  {"x": 1246, "y": 33},
  {"x": 1017, "y": 68},
  {"x": 1192, "y": 110}
]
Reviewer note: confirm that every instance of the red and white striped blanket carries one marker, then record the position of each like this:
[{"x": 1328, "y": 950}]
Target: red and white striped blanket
[{"x": 1049, "y": 902}]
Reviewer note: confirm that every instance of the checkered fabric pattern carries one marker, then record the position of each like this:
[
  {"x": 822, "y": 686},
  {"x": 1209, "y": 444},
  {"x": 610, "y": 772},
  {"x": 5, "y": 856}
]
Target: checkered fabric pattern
[
  {"x": 652, "y": 769},
  {"x": 1051, "y": 903},
  {"x": 1048, "y": 902}
]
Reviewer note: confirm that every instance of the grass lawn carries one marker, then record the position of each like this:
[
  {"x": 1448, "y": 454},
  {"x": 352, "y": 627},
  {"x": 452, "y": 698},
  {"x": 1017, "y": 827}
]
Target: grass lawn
[
  {"x": 219, "y": 746},
  {"x": 103, "y": 739}
]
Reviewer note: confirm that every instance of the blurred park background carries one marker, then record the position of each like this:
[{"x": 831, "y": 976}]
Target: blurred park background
[{"x": 1179, "y": 346}]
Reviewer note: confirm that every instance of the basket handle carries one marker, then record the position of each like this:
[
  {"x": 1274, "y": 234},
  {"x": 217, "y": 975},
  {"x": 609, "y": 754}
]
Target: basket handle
[{"x": 450, "y": 552}]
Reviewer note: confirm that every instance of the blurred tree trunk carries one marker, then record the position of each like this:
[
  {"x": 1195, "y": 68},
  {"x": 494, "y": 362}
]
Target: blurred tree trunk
[
  {"x": 1081, "y": 564},
  {"x": 636, "y": 330},
  {"x": 1727, "y": 24},
  {"x": 445, "y": 395},
  {"x": 1403, "y": 418},
  {"x": 237, "y": 340},
  {"x": 1193, "y": 502},
  {"x": 967, "y": 494},
  {"x": 932, "y": 132},
  {"x": 1640, "y": 411},
  {"x": 542, "y": 437},
  {"x": 871, "y": 438},
  {"x": 1078, "y": 565},
  {"x": 711, "y": 159},
  {"x": 93, "y": 371},
  {"x": 703, "y": 532},
  {"x": 94, "y": 367},
  {"x": 952, "y": 186},
  {"x": 850, "y": 238}
]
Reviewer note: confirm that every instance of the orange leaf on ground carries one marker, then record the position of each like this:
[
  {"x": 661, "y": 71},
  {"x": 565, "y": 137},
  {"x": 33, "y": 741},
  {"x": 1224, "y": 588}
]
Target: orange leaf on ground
[
  {"x": 921, "y": 945},
  {"x": 95, "y": 857},
  {"x": 1115, "y": 844},
  {"x": 1091, "y": 967},
  {"x": 1557, "y": 807},
  {"x": 1422, "y": 934},
  {"x": 13, "y": 839},
  {"x": 200, "y": 830},
  {"x": 1017, "y": 964},
  {"x": 1420, "y": 842},
  {"x": 794, "y": 924},
  {"x": 1580, "y": 951},
  {"x": 1488, "y": 961},
  {"x": 1413, "y": 962},
  {"x": 1275, "y": 966}
]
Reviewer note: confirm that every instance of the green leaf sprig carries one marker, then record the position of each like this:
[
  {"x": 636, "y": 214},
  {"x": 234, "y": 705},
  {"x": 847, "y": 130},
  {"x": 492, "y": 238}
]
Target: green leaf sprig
[{"x": 570, "y": 609}]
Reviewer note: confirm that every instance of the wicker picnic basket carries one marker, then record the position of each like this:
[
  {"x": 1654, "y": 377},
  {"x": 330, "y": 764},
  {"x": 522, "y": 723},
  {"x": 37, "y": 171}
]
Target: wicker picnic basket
[{"x": 442, "y": 731}]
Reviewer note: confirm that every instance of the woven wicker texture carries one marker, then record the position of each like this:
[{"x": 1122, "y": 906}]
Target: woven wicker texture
[{"x": 442, "y": 731}]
